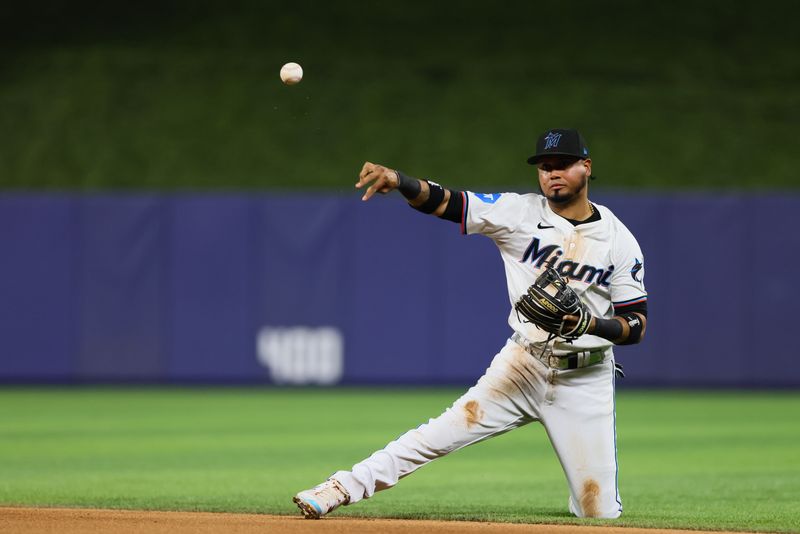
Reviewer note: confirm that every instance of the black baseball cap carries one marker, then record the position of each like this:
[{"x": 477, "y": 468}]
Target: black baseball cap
[{"x": 560, "y": 142}]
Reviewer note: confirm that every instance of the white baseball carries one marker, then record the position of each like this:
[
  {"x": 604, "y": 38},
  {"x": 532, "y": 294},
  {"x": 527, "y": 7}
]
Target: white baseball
[{"x": 291, "y": 73}]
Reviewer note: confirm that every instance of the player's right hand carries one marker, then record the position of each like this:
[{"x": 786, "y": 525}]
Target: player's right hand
[{"x": 383, "y": 179}]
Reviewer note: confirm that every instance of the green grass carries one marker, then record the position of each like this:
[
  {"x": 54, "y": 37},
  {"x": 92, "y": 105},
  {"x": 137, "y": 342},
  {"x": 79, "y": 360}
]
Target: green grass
[
  {"x": 723, "y": 460},
  {"x": 177, "y": 94}
]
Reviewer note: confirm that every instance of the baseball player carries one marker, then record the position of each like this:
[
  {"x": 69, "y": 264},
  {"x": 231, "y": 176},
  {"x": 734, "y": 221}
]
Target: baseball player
[{"x": 559, "y": 372}]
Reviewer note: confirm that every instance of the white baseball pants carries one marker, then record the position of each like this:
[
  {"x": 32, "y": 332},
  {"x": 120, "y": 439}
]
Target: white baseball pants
[{"x": 575, "y": 406}]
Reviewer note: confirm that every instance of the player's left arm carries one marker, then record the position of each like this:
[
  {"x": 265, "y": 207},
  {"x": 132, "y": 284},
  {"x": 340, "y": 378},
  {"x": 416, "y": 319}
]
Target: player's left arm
[
  {"x": 628, "y": 324},
  {"x": 626, "y": 327}
]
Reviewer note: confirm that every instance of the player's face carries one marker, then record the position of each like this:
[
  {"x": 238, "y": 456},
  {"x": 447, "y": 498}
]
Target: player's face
[{"x": 563, "y": 179}]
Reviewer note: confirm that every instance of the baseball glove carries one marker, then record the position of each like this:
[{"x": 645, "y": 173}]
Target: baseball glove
[{"x": 548, "y": 300}]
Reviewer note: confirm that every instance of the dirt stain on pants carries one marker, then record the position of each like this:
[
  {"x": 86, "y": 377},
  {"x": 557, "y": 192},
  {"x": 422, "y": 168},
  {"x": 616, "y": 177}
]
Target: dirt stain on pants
[
  {"x": 589, "y": 498},
  {"x": 473, "y": 413}
]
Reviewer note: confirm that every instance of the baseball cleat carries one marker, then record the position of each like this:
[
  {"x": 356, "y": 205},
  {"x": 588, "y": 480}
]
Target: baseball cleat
[{"x": 321, "y": 500}]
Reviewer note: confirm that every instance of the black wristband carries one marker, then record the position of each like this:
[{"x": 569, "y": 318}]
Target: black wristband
[
  {"x": 408, "y": 187},
  {"x": 609, "y": 329},
  {"x": 435, "y": 198}
]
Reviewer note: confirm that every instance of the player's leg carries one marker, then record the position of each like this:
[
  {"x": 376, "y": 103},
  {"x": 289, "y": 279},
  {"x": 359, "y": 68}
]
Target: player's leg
[
  {"x": 580, "y": 419},
  {"x": 499, "y": 402}
]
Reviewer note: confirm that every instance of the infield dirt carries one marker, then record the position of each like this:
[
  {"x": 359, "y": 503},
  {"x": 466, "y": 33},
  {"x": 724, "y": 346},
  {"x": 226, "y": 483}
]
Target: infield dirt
[{"x": 74, "y": 521}]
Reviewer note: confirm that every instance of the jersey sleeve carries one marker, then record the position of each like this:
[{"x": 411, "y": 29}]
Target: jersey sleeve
[
  {"x": 491, "y": 214},
  {"x": 627, "y": 281}
]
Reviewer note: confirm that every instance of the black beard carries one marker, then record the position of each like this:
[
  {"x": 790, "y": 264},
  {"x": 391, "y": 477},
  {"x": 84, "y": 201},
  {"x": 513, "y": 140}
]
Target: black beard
[
  {"x": 561, "y": 199},
  {"x": 558, "y": 198}
]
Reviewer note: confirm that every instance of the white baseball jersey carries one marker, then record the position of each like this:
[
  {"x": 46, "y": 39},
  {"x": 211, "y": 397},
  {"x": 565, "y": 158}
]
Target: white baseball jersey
[{"x": 602, "y": 259}]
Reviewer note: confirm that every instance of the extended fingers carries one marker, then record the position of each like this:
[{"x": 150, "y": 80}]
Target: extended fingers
[
  {"x": 366, "y": 170},
  {"x": 383, "y": 179},
  {"x": 379, "y": 185}
]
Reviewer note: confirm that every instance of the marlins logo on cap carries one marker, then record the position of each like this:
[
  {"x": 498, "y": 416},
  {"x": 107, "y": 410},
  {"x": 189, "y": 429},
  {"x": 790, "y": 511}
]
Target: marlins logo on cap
[
  {"x": 551, "y": 140},
  {"x": 560, "y": 142}
]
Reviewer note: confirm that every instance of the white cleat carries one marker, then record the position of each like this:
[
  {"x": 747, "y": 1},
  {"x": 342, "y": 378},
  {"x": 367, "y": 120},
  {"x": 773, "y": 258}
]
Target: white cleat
[{"x": 321, "y": 500}]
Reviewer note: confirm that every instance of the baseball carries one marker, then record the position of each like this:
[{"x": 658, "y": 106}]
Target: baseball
[{"x": 291, "y": 73}]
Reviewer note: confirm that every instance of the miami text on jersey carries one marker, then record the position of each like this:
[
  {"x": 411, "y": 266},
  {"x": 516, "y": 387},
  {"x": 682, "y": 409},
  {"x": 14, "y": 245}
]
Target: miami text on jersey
[{"x": 574, "y": 270}]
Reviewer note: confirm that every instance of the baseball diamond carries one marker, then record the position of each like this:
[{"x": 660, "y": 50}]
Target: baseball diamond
[
  {"x": 71, "y": 521},
  {"x": 688, "y": 460}
]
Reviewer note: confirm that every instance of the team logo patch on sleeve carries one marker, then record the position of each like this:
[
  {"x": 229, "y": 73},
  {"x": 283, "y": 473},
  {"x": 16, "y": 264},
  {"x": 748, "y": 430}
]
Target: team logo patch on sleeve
[
  {"x": 637, "y": 267},
  {"x": 489, "y": 198}
]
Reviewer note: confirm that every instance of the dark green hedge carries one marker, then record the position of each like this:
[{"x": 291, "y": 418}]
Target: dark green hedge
[{"x": 186, "y": 95}]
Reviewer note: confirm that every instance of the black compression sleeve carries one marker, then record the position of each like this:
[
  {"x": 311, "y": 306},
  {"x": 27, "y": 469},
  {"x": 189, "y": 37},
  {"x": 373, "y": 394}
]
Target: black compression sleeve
[
  {"x": 639, "y": 307},
  {"x": 455, "y": 205}
]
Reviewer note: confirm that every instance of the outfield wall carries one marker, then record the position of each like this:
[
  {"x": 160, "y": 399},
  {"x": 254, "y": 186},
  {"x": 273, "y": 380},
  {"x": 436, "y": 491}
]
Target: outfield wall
[{"x": 325, "y": 289}]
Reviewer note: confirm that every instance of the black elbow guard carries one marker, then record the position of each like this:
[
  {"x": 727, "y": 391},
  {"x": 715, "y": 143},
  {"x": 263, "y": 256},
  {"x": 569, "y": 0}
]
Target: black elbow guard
[
  {"x": 455, "y": 205},
  {"x": 636, "y": 328}
]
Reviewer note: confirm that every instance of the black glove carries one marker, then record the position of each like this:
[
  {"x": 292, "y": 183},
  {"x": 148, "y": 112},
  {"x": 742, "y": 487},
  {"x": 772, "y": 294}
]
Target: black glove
[{"x": 548, "y": 300}]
